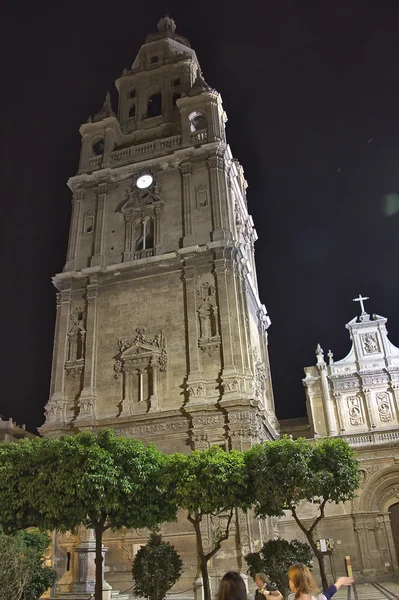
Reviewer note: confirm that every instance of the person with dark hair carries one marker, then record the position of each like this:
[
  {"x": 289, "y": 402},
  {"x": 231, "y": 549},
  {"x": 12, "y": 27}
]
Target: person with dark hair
[
  {"x": 303, "y": 585},
  {"x": 265, "y": 588},
  {"x": 232, "y": 587}
]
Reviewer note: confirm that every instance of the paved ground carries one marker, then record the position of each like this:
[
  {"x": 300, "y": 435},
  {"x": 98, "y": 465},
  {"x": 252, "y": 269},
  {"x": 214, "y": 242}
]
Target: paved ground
[{"x": 370, "y": 591}]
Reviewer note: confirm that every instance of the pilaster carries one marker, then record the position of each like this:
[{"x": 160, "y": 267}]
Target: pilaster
[
  {"x": 369, "y": 408},
  {"x": 88, "y": 395},
  {"x": 219, "y": 197},
  {"x": 223, "y": 270},
  {"x": 194, "y": 362},
  {"x": 75, "y": 229},
  {"x": 186, "y": 170},
  {"x": 98, "y": 257},
  {"x": 57, "y": 386}
]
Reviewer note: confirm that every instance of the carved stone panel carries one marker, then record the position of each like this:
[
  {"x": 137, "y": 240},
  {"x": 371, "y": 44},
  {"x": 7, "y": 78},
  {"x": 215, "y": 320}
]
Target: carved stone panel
[
  {"x": 370, "y": 343},
  {"x": 355, "y": 411},
  {"x": 384, "y": 407}
]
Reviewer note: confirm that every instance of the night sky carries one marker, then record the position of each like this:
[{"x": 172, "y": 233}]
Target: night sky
[{"x": 311, "y": 90}]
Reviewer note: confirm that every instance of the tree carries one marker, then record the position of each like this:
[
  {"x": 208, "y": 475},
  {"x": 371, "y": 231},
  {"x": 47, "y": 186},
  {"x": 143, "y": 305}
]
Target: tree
[
  {"x": 274, "y": 559},
  {"x": 156, "y": 568},
  {"x": 42, "y": 576},
  {"x": 209, "y": 482},
  {"x": 284, "y": 473},
  {"x": 23, "y": 575},
  {"x": 99, "y": 480},
  {"x": 18, "y": 467}
]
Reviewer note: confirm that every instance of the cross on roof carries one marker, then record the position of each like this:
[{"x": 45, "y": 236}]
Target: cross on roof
[{"x": 360, "y": 299}]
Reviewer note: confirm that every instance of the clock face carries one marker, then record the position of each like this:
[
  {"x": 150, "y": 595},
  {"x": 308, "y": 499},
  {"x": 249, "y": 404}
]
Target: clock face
[{"x": 144, "y": 181}]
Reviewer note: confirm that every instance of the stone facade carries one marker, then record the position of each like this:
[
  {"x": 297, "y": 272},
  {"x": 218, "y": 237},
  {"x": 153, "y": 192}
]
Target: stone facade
[
  {"x": 356, "y": 398},
  {"x": 160, "y": 333}
]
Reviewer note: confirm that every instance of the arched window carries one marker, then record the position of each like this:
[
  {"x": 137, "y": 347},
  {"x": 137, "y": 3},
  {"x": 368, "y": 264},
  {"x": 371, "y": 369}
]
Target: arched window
[
  {"x": 132, "y": 111},
  {"x": 154, "y": 106},
  {"x": 197, "y": 121},
  {"x": 98, "y": 148},
  {"x": 149, "y": 233}
]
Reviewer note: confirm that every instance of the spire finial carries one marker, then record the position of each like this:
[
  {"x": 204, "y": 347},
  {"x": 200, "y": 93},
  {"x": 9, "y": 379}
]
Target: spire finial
[
  {"x": 166, "y": 25},
  {"x": 106, "y": 110},
  {"x": 364, "y": 316}
]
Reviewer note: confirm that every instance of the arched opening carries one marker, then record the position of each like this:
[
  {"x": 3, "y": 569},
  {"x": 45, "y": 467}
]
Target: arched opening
[
  {"x": 97, "y": 148},
  {"x": 394, "y": 517},
  {"x": 132, "y": 111},
  {"x": 198, "y": 121},
  {"x": 154, "y": 106}
]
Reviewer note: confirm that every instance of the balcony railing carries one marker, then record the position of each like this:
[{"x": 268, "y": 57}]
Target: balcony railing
[
  {"x": 95, "y": 160},
  {"x": 143, "y": 253},
  {"x": 137, "y": 152},
  {"x": 199, "y": 137},
  {"x": 372, "y": 438}
]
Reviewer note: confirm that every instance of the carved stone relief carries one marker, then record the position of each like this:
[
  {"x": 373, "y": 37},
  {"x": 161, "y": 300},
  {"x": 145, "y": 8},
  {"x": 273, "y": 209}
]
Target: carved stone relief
[
  {"x": 76, "y": 342},
  {"x": 201, "y": 196},
  {"x": 207, "y": 311},
  {"x": 370, "y": 343},
  {"x": 384, "y": 407},
  {"x": 355, "y": 411}
]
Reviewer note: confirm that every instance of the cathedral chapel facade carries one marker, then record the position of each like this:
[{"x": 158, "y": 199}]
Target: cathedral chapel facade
[{"x": 160, "y": 332}]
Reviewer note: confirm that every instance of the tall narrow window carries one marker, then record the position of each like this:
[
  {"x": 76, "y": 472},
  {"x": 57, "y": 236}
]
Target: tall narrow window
[
  {"x": 154, "y": 107},
  {"x": 132, "y": 111},
  {"x": 143, "y": 234},
  {"x": 149, "y": 233}
]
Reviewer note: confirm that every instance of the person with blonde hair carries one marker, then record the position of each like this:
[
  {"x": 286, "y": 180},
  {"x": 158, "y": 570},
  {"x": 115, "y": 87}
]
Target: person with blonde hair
[
  {"x": 302, "y": 584},
  {"x": 265, "y": 588},
  {"x": 232, "y": 587}
]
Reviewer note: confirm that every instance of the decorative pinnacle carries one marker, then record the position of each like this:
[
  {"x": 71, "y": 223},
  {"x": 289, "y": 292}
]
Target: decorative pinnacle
[{"x": 166, "y": 25}]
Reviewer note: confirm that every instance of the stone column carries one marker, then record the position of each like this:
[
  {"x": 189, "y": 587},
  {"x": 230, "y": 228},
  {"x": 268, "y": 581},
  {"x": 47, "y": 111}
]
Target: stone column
[
  {"x": 88, "y": 395},
  {"x": 219, "y": 197},
  {"x": 327, "y": 404},
  {"x": 186, "y": 170},
  {"x": 57, "y": 386},
  {"x": 222, "y": 272},
  {"x": 98, "y": 257},
  {"x": 194, "y": 362},
  {"x": 369, "y": 409},
  {"x": 74, "y": 232},
  {"x": 341, "y": 421}
]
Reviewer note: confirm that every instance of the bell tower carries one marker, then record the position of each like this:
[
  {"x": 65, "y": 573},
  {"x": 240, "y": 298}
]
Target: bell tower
[
  {"x": 159, "y": 322},
  {"x": 160, "y": 332}
]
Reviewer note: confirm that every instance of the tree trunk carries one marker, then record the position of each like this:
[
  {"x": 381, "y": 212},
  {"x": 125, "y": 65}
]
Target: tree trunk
[
  {"x": 205, "y": 579},
  {"x": 98, "y": 590},
  {"x": 320, "y": 560},
  {"x": 309, "y": 535}
]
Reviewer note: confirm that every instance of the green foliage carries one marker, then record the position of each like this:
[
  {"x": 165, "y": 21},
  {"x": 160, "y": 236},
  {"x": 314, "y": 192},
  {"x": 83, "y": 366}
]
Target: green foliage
[
  {"x": 100, "y": 479},
  {"x": 208, "y": 482},
  {"x": 156, "y": 568},
  {"x": 23, "y": 574},
  {"x": 284, "y": 473},
  {"x": 274, "y": 559},
  {"x": 18, "y": 468},
  {"x": 95, "y": 479}
]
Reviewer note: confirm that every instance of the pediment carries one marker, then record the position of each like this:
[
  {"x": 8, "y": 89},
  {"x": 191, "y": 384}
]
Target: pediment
[{"x": 139, "y": 350}]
